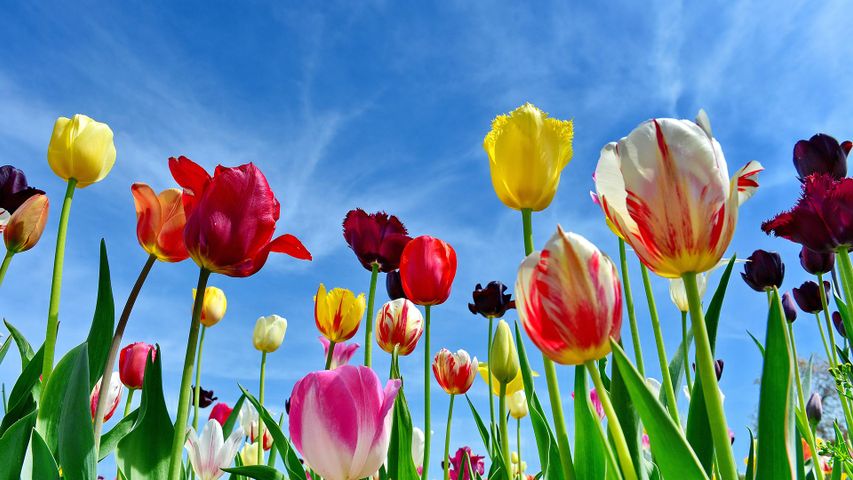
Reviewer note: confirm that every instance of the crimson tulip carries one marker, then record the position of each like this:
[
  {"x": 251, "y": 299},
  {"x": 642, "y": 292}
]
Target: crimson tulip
[
  {"x": 220, "y": 412},
  {"x": 427, "y": 269},
  {"x": 376, "y": 238},
  {"x": 131, "y": 363}
]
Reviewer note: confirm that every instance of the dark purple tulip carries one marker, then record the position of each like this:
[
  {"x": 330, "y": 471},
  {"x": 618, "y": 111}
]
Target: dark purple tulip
[
  {"x": 718, "y": 368},
  {"x": 839, "y": 324},
  {"x": 814, "y": 408},
  {"x": 491, "y": 301},
  {"x": 287, "y": 405},
  {"x": 205, "y": 397},
  {"x": 820, "y": 154},
  {"x": 808, "y": 296},
  {"x": 394, "y": 286},
  {"x": 789, "y": 308},
  {"x": 14, "y": 189},
  {"x": 816, "y": 263},
  {"x": 376, "y": 238},
  {"x": 763, "y": 270}
]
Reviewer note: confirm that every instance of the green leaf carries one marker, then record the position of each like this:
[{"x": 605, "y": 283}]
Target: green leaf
[
  {"x": 676, "y": 368},
  {"x": 590, "y": 453},
  {"x": 775, "y": 409},
  {"x": 101, "y": 332},
  {"x": 401, "y": 466},
  {"x": 671, "y": 452},
  {"x": 756, "y": 342},
  {"x": 750, "y": 459},
  {"x": 258, "y": 472},
  {"x": 22, "y": 399},
  {"x": 76, "y": 439},
  {"x": 24, "y": 347},
  {"x": 628, "y": 419},
  {"x": 55, "y": 396},
  {"x": 44, "y": 466},
  {"x": 844, "y": 312},
  {"x": 288, "y": 453},
  {"x": 233, "y": 417},
  {"x": 13, "y": 447},
  {"x": 481, "y": 426},
  {"x": 144, "y": 452},
  {"x": 110, "y": 439},
  {"x": 5, "y": 348}
]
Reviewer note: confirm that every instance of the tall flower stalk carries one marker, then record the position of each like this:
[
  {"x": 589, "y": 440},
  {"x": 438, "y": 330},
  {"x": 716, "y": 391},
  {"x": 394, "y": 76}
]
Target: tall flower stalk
[{"x": 662, "y": 358}]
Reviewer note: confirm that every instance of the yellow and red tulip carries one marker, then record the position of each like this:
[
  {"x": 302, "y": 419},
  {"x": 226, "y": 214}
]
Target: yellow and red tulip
[
  {"x": 455, "y": 372},
  {"x": 399, "y": 324},
  {"x": 338, "y": 313},
  {"x": 160, "y": 222}
]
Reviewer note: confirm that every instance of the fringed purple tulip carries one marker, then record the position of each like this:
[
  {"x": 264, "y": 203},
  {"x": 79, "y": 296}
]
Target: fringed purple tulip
[
  {"x": 820, "y": 154},
  {"x": 376, "y": 238},
  {"x": 340, "y": 421},
  {"x": 492, "y": 301},
  {"x": 808, "y": 296},
  {"x": 763, "y": 270},
  {"x": 205, "y": 397},
  {"x": 816, "y": 263},
  {"x": 342, "y": 354},
  {"x": 789, "y": 308}
]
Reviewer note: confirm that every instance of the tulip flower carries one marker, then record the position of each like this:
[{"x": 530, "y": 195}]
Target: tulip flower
[
  {"x": 14, "y": 191},
  {"x": 418, "y": 447},
  {"x": 788, "y": 308},
  {"x": 220, "y": 412},
  {"x": 517, "y": 403},
  {"x": 205, "y": 397},
  {"x": 807, "y": 296},
  {"x": 340, "y": 421},
  {"x": 427, "y": 269},
  {"x": 338, "y": 313},
  {"x": 81, "y": 149},
  {"x": 763, "y": 271},
  {"x": 527, "y": 152},
  {"x": 267, "y": 440},
  {"x": 455, "y": 372},
  {"x": 816, "y": 263},
  {"x": 459, "y": 464},
  {"x": 269, "y": 333},
  {"x": 342, "y": 354},
  {"x": 24, "y": 228},
  {"x": 113, "y": 396},
  {"x": 131, "y": 363},
  {"x": 213, "y": 306},
  {"x": 492, "y": 301},
  {"x": 838, "y": 322},
  {"x": 249, "y": 454},
  {"x": 248, "y": 418},
  {"x": 211, "y": 453},
  {"x": 814, "y": 408},
  {"x": 514, "y": 385},
  {"x": 394, "y": 285},
  {"x": 160, "y": 222},
  {"x": 399, "y": 325},
  {"x": 503, "y": 358},
  {"x": 679, "y": 296},
  {"x": 820, "y": 154}
]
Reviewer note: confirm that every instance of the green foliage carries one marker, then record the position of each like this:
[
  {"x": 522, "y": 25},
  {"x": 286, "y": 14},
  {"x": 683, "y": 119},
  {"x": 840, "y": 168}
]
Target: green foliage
[
  {"x": 13, "y": 447},
  {"x": 590, "y": 450},
  {"x": 288, "y": 453},
  {"x": 76, "y": 438},
  {"x": 101, "y": 331}
]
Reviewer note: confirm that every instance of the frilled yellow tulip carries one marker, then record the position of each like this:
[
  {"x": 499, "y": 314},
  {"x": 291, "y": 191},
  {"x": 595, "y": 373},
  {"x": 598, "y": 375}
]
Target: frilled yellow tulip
[
  {"x": 527, "y": 151},
  {"x": 213, "y": 306},
  {"x": 82, "y": 149},
  {"x": 338, "y": 313},
  {"x": 515, "y": 385}
]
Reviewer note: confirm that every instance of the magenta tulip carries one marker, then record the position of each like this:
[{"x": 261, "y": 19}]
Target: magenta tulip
[{"x": 131, "y": 363}]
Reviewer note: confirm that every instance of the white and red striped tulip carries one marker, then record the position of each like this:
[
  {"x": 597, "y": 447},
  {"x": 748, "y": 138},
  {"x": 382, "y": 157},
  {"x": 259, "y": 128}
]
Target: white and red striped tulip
[
  {"x": 113, "y": 396},
  {"x": 399, "y": 324},
  {"x": 455, "y": 372},
  {"x": 211, "y": 453}
]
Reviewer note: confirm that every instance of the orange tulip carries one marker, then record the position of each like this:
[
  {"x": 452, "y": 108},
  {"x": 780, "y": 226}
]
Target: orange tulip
[
  {"x": 26, "y": 224},
  {"x": 160, "y": 222}
]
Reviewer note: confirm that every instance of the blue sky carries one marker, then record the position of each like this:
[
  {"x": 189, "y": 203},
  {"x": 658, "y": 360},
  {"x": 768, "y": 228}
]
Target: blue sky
[{"x": 383, "y": 105}]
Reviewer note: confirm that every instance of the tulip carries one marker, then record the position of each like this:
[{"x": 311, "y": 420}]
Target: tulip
[
  {"x": 459, "y": 464},
  {"x": 205, "y": 397},
  {"x": 820, "y": 154},
  {"x": 788, "y": 307},
  {"x": 14, "y": 191},
  {"x": 220, "y": 412},
  {"x": 26, "y": 225},
  {"x": 131, "y": 363},
  {"x": 517, "y": 403},
  {"x": 491, "y": 301},
  {"x": 340, "y": 421},
  {"x": 213, "y": 306},
  {"x": 418, "y": 447},
  {"x": 113, "y": 396},
  {"x": 267, "y": 439},
  {"x": 816, "y": 263},
  {"x": 249, "y": 454},
  {"x": 527, "y": 152},
  {"x": 81, "y": 149},
  {"x": 514, "y": 385},
  {"x": 503, "y": 358},
  {"x": 838, "y": 322},
  {"x": 814, "y": 408},
  {"x": 679, "y": 296},
  {"x": 427, "y": 269},
  {"x": 211, "y": 453},
  {"x": 376, "y": 238},
  {"x": 269, "y": 333},
  {"x": 399, "y": 325},
  {"x": 807, "y": 296},
  {"x": 455, "y": 372},
  {"x": 160, "y": 222},
  {"x": 394, "y": 285},
  {"x": 248, "y": 418},
  {"x": 342, "y": 354},
  {"x": 763, "y": 271},
  {"x": 338, "y": 313}
]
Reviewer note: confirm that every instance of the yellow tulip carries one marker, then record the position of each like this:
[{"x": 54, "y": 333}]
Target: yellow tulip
[
  {"x": 527, "y": 151},
  {"x": 338, "y": 313},
  {"x": 82, "y": 149},
  {"x": 213, "y": 306},
  {"x": 515, "y": 385}
]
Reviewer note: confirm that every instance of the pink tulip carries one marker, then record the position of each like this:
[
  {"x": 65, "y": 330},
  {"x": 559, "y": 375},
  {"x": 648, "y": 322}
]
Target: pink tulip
[
  {"x": 340, "y": 421},
  {"x": 131, "y": 363},
  {"x": 342, "y": 354},
  {"x": 113, "y": 396},
  {"x": 220, "y": 412}
]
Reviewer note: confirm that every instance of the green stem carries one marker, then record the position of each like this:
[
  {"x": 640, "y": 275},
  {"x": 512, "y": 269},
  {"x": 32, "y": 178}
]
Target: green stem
[
  {"x": 827, "y": 318},
  {"x": 176, "y": 463},
  {"x": 427, "y": 384},
  {"x": 114, "y": 347},
  {"x": 527, "y": 229},
  {"x": 518, "y": 445},
  {"x": 710, "y": 387},
  {"x": 329, "y": 355},
  {"x": 368, "y": 321},
  {"x": 801, "y": 399},
  {"x": 5, "y": 266},
  {"x": 197, "y": 393},
  {"x": 447, "y": 440},
  {"x": 130, "y": 392},
  {"x": 629, "y": 305},
  {"x": 846, "y": 268},
  {"x": 56, "y": 283},
  {"x": 686, "y": 352},
  {"x": 664, "y": 364},
  {"x": 261, "y": 401},
  {"x": 489, "y": 370},
  {"x": 823, "y": 340},
  {"x": 504, "y": 431},
  {"x": 394, "y": 368},
  {"x": 613, "y": 423}
]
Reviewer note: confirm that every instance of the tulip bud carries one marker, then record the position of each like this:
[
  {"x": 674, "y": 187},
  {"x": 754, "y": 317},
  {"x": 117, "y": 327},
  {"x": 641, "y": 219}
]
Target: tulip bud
[
  {"x": 220, "y": 412},
  {"x": 789, "y": 308},
  {"x": 205, "y": 397},
  {"x": 26, "y": 225},
  {"x": 131, "y": 363},
  {"x": 160, "y": 222},
  {"x": 14, "y": 191},
  {"x": 399, "y": 324},
  {"x": 455, "y": 372},
  {"x": 82, "y": 149},
  {"x": 678, "y": 294},
  {"x": 427, "y": 269},
  {"x": 808, "y": 296},
  {"x": 814, "y": 408},
  {"x": 517, "y": 403},
  {"x": 338, "y": 313},
  {"x": 820, "y": 154},
  {"x": 816, "y": 263},
  {"x": 763, "y": 270},
  {"x": 249, "y": 454},
  {"x": 213, "y": 306},
  {"x": 267, "y": 437},
  {"x": 503, "y": 358},
  {"x": 394, "y": 285},
  {"x": 269, "y": 333},
  {"x": 113, "y": 396},
  {"x": 838, "y": 321},
  {"x": 718, "y": 368},
  {"x": 491, "y": 301}
]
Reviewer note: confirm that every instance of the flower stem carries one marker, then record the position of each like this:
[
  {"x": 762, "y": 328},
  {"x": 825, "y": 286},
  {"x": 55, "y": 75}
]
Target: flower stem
[
  {"x": 427, "y": 429},
  {"x": 710, "y": 387},
  {"x": 823, "y": 340},
  {"x": 197, "y": 392},
  {"x": 368, "y": 321},
  {"x": 329, "y": 355},
  {"x": 504, "y": 431},
  {"x": 664, "y": 365},
  {"x": 518, "y": 445},
  {"x": 489, "y": 370},
  {"x": 130, "y": 392},
  {"x": 527, "y": 228},
  {"x": 686, "y": 352},
  {"x": 801, "y": 399},
  {"x": 114, "y": 347},
  {"x": 612, "y": 423},
  {"x": 56, "y": 284},
  {"x": 261, "y": 401},
  {"x": 843, "y": 259},
  {"x": 629, "y": 305},
  {"x": 176, "y": 463},
  {"x": 5, "y": 266},
  {"x": 447, "y": 440},
  {"x": 827, "y": 318}
]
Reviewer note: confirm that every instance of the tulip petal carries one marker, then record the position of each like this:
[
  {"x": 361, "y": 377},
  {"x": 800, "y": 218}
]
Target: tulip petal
[
  {"x": 148, "y": 216},
  {"x": 290, "y": 245},
  {"x": 746, "y": 180},
  {"x": 192, "y": 177}
]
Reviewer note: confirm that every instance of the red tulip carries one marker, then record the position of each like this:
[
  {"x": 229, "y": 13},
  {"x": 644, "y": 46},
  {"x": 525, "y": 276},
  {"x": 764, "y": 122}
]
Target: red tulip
[
  {"x": 220, "y": 412},
  {"x": 160, "y": 222},
  {"x": 427, "y": 268},
  {"x": 376, "y": 238},
  {"x": 455, "y": 372},
  {"x": 131, "y": 363},
  {"x": 231, "y": 218}
]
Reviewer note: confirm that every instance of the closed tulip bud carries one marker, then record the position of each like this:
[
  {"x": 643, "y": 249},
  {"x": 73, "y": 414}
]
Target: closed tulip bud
[
  {"x": 816, "y": 263},
  {"x": 338, "y": 313},
  {"x": 160, "y": 222},
  {"x": 82, "y": 149},
  {"x": 205, "y": 397},
  {"x": 678, "y": 294},
  {"x": 113, "y": 396},
  {"x": 807, "y": 296},
  {"x": 763, "y": 270},
  {"x": 788, "y": 307},
  {"x": 503, "y": 358},
  {"x": 394, "y": 285},
  {"x": 838, "y": 321},
  {"x": 814, "y": 408},
  {"x": 517, "y": 403},
  {"x": 820, "y": 154},
  {"x": 527, "y": 152},
  {"x": 491, "y": 301},
  {"x": 14, "y": 191},
  {"x": 269, "y": 333},
  {"x": 211, "y": 453},
  {"x": 427, "y": 269},
  {"x": 718, "y": 368},
  {"x": 399, "y": 324},
  {"x": 213, "y": 306},
  {"x": 342, "y": 354},
  {"x": 131, "y": 363},
  {"x": 26, "y": 225},
  {"x": 376, "y": 238},
  {"x": 455, "y": 372},
  {"x": 220, "y": 412},
  {"x": 249, "y": 454}
]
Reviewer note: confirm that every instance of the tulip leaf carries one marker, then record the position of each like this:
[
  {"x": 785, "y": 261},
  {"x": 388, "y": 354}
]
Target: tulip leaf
[
  {"x": 75, "y": 436},
  {"x": 101, "y": 332},
  {"x": 775, "y": 409},
  {"x": 756, "y": 342},
  {"x": 590, "y": 453},
  {"x": 13, "y": 447},
  {"x": 22, "y": 399},
  {"x": 750, "y": 459},
  {"x": 233, "y": 417},
  {"x": 288, "y": 453},
  {"x": 5, "y": 348},
  {"x": 670, "y": 449},
  {"x": 110, "y": 439},
  {"x": 24, "y": 347},
  {"x": 258, "y": 472},
  {"x": 627, "y": 415},
  {"x": 44, "y": 465},
  {"x": 481, "y": 426},
  {"x": 401, "y": 466},
  {"x": 54, "y": 397},
  {"x": 676, "y": 368},
  {"x": 144, "y": 452}
]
